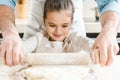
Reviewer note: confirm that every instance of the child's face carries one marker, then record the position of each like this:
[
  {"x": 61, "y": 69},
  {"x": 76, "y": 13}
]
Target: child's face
[{"x": 58, "y": 24}]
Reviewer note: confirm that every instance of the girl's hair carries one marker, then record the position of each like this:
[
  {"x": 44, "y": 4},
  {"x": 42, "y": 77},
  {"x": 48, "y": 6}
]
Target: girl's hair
[{"x": 57, "y": 5}]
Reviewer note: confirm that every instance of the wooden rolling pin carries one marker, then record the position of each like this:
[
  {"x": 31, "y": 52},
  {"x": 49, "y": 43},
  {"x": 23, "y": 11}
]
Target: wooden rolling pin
[{"x": 57, "y": 58}]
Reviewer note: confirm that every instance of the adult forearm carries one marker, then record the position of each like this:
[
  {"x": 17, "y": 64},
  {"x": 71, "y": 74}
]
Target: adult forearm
[
  {"x": 7, "y": 21},
  {"x": 110, "y": 22}
]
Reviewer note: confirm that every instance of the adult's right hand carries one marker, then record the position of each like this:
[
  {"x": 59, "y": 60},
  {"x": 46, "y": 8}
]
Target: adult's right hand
[{"x": 11, "y": 50}]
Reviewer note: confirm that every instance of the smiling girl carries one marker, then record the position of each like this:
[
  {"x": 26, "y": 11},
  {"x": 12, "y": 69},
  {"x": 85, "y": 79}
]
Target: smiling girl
[{"x": 58, "y": 17}]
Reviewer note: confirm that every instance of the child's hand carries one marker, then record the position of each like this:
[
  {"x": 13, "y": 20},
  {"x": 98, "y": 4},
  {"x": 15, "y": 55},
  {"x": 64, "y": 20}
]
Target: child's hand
[{"x": 95, "y": 56}]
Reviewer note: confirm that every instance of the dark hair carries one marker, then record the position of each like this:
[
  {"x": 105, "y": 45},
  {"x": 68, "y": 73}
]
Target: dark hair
[{"x": 57, "y": 5}]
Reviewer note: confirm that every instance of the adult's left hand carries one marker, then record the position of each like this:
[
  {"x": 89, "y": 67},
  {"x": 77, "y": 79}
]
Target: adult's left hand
[{"x": 107, "y": 46}]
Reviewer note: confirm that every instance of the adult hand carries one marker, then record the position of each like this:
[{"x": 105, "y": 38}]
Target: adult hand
[
  {"x": 107, "y": 46},
  {"x": 11, "y": 50}
]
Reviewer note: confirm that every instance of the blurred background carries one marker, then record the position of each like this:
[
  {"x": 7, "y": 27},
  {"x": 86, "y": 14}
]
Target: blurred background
[
  {"x": 89, "y": 10},
  {"x": 22, "y": 8}
]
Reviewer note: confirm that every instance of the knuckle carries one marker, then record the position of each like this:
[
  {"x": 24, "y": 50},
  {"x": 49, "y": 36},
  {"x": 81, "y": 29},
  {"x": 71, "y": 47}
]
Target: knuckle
[{"x": 117, "y": 48}]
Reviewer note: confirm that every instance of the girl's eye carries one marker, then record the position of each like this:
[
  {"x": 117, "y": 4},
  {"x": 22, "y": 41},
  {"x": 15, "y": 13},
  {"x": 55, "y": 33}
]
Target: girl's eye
[
  {"x": 64, "y": 26},
  {"x": 52, "y": 25}
]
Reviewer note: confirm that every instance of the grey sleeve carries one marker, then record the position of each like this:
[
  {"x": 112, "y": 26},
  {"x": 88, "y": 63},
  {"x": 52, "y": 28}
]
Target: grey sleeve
[
  {"x": 84, "y": 43},
  {"x": 76, "y": 43},
  {"x": 35, "y": 18}
]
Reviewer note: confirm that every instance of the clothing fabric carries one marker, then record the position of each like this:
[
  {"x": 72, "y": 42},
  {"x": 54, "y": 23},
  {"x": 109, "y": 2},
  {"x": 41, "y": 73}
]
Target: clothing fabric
[
  {"x": 111, "y": 5},
  {"x": 73, "y": 43},
  {"x": 108, "y": 5},
  {"x": 10, "y": 3}
]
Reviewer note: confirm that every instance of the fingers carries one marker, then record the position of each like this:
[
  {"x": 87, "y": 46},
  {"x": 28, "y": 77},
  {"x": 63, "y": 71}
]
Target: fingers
[
  {"x": 103, "y": 55},
  {"x": 2, "y": 54},
  {"x": 21, "y": 56},
  {"x": 22, "y": 61},
  {"x": 99, "y": 57},
  {"x": 92, "y": 55},
  {"x": 97, "y": 60},
  {"x": 116, "y": 49},
  {"x": 110, "y": 57},
  {"x": 9, "y": 57},
  {"x": 10, "y": 54},
  {"x": 95, "y": 56},
  {"x": 16, "y": 57}
]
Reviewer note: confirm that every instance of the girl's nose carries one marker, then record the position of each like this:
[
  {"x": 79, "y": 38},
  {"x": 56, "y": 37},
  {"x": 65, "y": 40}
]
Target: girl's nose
[{"x": 58, "y": 30}]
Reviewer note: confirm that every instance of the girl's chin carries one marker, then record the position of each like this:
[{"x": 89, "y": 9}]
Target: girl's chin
[
  {"x": 58, "y": 39},
  {"x": 55, "y": 39}
]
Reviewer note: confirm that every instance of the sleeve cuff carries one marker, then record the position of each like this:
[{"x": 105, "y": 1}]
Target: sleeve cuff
[
  {"x": 10, "y": 3},
  {"x": 113, "y": 6}
]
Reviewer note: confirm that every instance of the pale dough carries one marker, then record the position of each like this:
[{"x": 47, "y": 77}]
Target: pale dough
[{"x": 63, "y": 72}]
